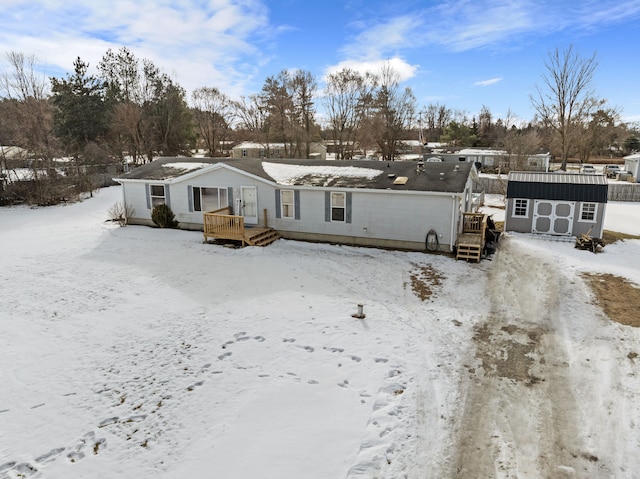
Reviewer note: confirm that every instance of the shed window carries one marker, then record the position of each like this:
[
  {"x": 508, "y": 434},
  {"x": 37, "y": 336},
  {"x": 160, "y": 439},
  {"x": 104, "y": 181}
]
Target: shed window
[
  {"x": 287, "y": 204},
  {"x": 588, "y": 212},
  {"x": 338, "y": 207},
  {"x": 157, "y": 195},
  {"x": 521, "y": 208}
]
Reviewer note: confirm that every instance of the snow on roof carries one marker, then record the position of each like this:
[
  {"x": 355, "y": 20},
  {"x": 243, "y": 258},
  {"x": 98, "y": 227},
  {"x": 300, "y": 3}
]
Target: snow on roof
[
  {"x": 475, "y": 151},
  {"x": 287, "y": 174},
  {"x": 188, "y": 166}
]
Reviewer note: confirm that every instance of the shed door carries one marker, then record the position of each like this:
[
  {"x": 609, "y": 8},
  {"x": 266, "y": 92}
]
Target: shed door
[
  {"x": 249, "y": 204},
  {"x": 553, "y": 217}
]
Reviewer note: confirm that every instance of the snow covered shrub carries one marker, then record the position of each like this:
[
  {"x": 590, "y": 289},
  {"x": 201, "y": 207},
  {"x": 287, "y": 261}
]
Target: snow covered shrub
[
  {"x": 120, "y": 213},
  {"x": 162, "y": 216}
]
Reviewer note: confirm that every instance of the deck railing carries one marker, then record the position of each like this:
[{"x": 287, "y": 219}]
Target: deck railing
[
  {"x": 474, "y": 223},
  {"x": 220, "y": 224}
]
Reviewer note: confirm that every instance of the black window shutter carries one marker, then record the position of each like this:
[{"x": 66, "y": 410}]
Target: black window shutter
[{"x": 296, "y": 203}]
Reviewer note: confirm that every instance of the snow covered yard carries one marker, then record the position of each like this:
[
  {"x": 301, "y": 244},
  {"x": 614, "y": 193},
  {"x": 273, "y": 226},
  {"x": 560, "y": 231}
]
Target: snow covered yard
[{"x": 139, "y": 352}]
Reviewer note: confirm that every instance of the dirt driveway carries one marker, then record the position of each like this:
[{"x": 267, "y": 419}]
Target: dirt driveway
[{"x": 519, "y": 417}]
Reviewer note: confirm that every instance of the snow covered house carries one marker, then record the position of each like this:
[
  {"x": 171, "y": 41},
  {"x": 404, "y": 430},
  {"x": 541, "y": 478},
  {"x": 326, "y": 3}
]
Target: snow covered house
[
  {"x": 557, "y": 203},
  {"x": 489, "y": 158},
  {"x": 248, "y": 149},
  {"x": 363, "y": 202}
]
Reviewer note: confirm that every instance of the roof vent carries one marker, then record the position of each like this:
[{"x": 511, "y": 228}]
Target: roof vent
[
  {"x": 457, "y": 168},
  {"x": 420, "y": 167},
  {"x": 391, "y": 176},
  {"x": 442, "y": 176}
]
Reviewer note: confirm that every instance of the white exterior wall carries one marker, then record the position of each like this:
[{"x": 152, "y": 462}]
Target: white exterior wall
[
  {"x": 378, "y": 217},
  {"x": 633, "y": 165},
  {"x": 394, "y": 216}
]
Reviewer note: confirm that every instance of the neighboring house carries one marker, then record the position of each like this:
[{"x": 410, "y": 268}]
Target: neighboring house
[
  {"x": 372, "y": 203},
  {"x": 247, "y": 149},
  {"x": 558, "y": 203},
  {"x": 495, "y": 158},
  {"x": 632, "y": 164}
]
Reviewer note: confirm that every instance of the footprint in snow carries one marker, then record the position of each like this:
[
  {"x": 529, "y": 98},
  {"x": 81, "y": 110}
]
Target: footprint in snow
[
  {"x": 50, "y": 456},
  {"x": 381, "y": 360},
  {"x": 225, "y": 355},
  {"x": 193, "y": 386},
  {"x": 334, "y": 350}
]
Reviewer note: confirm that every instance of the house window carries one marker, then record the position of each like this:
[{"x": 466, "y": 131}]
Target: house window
[
  {"x": 287, "y": 204},
  {"x": 521, "y": 208},
  {"x": 209, "y": 199},
  {"x": 588, "y": 212},
  {"x": 157, "y": 195},
  {"x": 338, "y": 207}
]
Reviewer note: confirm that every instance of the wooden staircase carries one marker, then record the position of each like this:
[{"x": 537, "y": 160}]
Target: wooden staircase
[
  {"x": 259, "y": 236},
  {"x": 470, "y": 243}
]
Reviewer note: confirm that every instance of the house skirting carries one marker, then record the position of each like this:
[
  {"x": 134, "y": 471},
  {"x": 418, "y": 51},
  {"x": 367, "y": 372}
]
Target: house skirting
[{"x": 323, "y": 238}]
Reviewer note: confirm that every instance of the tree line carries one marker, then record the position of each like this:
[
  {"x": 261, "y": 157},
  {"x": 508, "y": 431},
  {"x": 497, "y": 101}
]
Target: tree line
[{"x": 132, "y": 111}]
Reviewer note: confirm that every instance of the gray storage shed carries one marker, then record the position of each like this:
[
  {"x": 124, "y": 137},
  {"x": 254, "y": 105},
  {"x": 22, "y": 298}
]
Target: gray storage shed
[{"x": 557, "y": 203}]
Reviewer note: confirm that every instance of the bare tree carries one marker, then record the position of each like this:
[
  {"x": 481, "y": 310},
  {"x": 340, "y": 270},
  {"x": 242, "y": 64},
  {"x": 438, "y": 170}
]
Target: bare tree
[
  {"x": 252, "y": 117},
  {"x": 27, "y": 92},
  {"x": 213, "y": 116},
  {"x": 394, "y": 112},
  {"x": 288, "y": 98},
  {"x": 345, "y": 93},
  {"x": 565, "y": 96}
]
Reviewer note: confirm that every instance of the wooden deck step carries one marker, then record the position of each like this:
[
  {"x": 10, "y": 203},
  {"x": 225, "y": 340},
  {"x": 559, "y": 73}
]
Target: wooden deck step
[
  {"x": 259, "y": 236},
  {"x": 467, "y": 251}
]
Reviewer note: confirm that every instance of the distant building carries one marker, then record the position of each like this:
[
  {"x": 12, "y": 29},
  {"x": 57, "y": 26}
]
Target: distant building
[{"x": 248, "y": 149}]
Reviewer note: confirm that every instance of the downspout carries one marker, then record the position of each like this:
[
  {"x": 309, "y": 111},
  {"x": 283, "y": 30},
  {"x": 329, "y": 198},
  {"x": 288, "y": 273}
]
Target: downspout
[{"x": 453, "y": 223}]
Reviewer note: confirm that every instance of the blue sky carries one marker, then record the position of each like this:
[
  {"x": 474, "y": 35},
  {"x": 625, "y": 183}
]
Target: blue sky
[{"x": 461, "y": 53}]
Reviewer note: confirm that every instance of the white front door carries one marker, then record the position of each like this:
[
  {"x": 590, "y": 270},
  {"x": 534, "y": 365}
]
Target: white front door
[
  {"x": 553, "y": 217},
  {"x": 249, "y": 197}
]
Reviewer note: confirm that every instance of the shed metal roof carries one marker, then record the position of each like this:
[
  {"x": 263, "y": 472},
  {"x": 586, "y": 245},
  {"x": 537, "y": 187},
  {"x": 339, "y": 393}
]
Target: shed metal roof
[
  {"x": 557, "y": 186},
  {"x": 557, "y": 177}
]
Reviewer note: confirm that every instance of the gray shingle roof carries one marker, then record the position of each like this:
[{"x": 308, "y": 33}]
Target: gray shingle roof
[{"x": 437, "y": 177}]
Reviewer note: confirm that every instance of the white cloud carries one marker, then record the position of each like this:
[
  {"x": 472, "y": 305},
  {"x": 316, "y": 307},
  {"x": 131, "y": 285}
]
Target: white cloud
[
  {"x": 490, "y": 81},
  {"x": 377, "y": 41},
  {"x": 219, "y": 36},
  {"x": 405, "y": 70}
]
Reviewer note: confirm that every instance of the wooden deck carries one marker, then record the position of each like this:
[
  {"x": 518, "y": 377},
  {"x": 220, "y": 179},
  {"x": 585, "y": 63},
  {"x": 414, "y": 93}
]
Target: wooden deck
[
  {"x": 220, "y": 224},
  {"x": 470, "y": 242}
]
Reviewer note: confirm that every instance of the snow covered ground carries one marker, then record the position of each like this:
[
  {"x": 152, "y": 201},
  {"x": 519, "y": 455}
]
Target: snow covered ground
[{"x": 143, "y": 353}]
